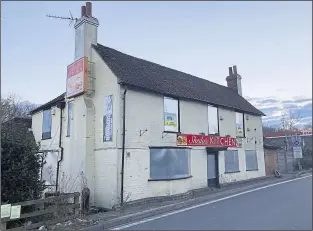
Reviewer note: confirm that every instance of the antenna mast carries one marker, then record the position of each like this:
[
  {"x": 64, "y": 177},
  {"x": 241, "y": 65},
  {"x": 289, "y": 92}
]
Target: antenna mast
[{"x": 71, "y": 18}]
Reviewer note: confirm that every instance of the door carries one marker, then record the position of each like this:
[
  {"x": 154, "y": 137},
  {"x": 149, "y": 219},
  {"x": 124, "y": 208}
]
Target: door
[
  {"x": 212, "y": 172},
  {"x": 270, "y": 161}
]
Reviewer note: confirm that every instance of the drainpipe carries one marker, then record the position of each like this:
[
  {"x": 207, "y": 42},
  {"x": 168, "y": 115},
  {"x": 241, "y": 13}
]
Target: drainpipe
[
  {"x": 61, "y": 105},
  {"x": 123, "y": 147}
]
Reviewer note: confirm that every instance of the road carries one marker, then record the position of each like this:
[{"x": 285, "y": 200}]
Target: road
[{"x": 286, "y": 206}]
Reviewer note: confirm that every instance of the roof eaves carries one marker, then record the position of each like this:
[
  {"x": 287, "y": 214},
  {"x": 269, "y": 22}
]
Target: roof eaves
[
  {"x": 48, "y": 105},
  {"x": 121, "y": 82},
  {"x": 253, "y": 111}
]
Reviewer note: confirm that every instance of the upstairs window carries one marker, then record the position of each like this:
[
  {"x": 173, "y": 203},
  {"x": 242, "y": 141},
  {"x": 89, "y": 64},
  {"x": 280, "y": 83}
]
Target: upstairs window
[
  {"x": 240, "y": 128},
  {"x": 69, "y": 117},
  {"x": 171, "y": 115},
  {"x": 213, "y": 120},
  {"x": 46, "y": 124}
]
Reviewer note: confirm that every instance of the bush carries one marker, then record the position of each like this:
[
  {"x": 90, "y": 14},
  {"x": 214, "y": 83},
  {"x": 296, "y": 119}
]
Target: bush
[{"x": 20, "y": 164}]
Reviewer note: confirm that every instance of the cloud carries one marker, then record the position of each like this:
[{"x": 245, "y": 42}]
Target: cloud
[
  {"x": 273, "y": 107},
  {"x": 281, "y": 90},
  {"x": 267, "y": 101},
  {"x": 269, "y": 110},
  {"x": 305, "y": 100}
]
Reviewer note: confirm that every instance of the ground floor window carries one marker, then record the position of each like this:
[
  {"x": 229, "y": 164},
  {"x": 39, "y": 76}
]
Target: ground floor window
[
  {"x": 251, "y": 160},
  {"x": 169, "y": 163},
  {"x": 231, "y": 161}
]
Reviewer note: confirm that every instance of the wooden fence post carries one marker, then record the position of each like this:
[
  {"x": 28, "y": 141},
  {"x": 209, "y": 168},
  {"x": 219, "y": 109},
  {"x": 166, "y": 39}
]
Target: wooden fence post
[
  {"x": 57, "y": 205},
  {"x": 76, "y": 201},
  {"x": 85, "y": 195}
]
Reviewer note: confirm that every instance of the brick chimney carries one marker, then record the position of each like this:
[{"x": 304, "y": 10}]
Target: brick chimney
[
  {"x": 234, "y": 80},
  {"x": 85, "y": 32}
]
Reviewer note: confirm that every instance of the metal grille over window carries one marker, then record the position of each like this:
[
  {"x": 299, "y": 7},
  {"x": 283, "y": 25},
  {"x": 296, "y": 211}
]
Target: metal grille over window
[
  {"x": 251, "y": 160},
  {"x": 231, "y": 161},
  {"x": 167, "y": 164}
]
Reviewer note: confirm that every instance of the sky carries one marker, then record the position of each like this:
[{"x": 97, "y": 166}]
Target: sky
[{"x": 270, "y": 42}]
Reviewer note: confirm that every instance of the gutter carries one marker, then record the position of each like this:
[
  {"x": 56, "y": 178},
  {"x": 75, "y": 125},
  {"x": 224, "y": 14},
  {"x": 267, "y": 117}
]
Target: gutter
[
  {"x": 123, "y": 147},
  {"x": 60, "y": 105}
]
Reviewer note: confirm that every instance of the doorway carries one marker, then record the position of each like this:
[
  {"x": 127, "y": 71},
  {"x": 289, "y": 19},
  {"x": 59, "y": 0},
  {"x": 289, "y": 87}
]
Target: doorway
[{"x": 212, "y": 169}]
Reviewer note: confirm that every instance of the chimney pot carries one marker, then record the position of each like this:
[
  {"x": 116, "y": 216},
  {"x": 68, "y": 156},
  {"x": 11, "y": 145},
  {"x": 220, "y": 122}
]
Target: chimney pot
[
  {"x": 83, "y": 11},
  {"x": 88, "y": 9},
  {"x": 230, "y": 70},
  {"x": 235, "y": 70}
]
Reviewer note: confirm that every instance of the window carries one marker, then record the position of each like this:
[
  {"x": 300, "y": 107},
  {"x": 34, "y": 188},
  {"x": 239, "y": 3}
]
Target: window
[
  {"x": 169, "y": 163},
  {"x": 251, "y": 161},
  {"x": 171, "y": 115},
  {"x": 108, "y": 119},
  {"x": 239, "y": 125},
  {"x": 213, "y": 120},
  {"x": 69, "y": 117},
  {"x": 46, "y": 124},
  {"x": 231, "y": 161}
]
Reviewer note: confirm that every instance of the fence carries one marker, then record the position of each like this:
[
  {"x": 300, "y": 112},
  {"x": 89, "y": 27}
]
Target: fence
[{"x": 51, "y": 210}]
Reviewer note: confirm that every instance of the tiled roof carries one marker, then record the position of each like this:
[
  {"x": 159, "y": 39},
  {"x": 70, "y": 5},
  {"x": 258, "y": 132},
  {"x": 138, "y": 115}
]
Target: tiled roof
[
  {"x": 273, "y": 143},
  {"x": 49, "y": 104},
  {"x": 153, "y": 77}
]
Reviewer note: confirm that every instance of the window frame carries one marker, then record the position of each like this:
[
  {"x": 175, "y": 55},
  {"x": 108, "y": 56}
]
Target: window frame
[
  {"x": 46, "y": 135},
  {"x": 243, "y": 124},
  {"x": 178, "y": 114},
  {"x": 232, "y": 170},
  {"x": 256, "y": 159},
  {"x": 69, "y": 118},
  {"x": 105, "y": 106},
  {"x": 170, "y": 178},
  {"x": 217, "y": 118}
]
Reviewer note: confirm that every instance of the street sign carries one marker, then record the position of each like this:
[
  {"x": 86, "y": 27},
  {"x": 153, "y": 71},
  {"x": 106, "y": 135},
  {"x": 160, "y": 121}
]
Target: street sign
[
  {"x": 296, "y": 140},
  {"x": 297, "y": 152}
]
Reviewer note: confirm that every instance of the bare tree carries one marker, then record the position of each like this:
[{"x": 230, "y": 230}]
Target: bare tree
[
  {"x": 308, "y": 126},
  {"x": 13, "y": 106},
  {"x": 269, "y": 129},
  {"x": 289, "y": 119}
]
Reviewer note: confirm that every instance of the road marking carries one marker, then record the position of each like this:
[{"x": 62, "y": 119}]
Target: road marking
[{"x": 203, "y": 204}]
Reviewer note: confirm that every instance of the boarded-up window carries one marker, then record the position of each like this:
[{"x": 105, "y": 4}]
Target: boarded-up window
[
  {"x": 231, "y": 161},
  {"x": 251, "y": 160},
  {"x": 171, "y": 117},
  {"x": 239, "y": 125},
  {"x": 212, "y": 120},
  {"x": 46, "y": 124},
  {"x": 169, "y": 163}
]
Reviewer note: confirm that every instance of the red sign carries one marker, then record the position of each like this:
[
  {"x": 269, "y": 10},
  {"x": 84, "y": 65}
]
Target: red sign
[
  {"x": 281, "y": 134},
  {"x": 207, "y": 141},
  {"x": 77, "y": 77},
  {"x": 75, "y": 68}
]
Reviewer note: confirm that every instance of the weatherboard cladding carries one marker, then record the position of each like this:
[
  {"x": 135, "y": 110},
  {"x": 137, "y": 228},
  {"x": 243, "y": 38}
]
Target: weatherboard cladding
[{"x": 153, "y": 77}]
